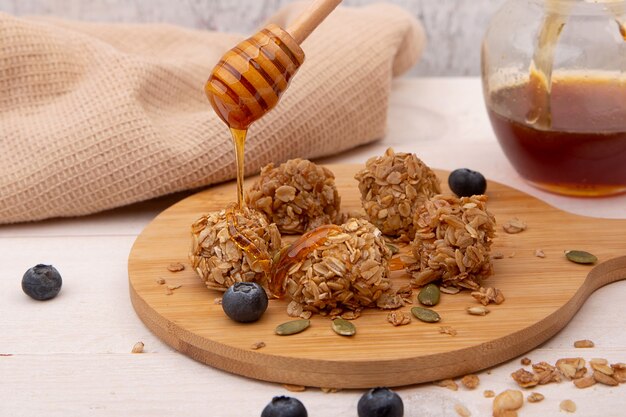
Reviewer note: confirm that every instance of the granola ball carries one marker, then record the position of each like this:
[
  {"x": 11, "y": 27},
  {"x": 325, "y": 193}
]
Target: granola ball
[
  {"x": 217, "y": 241},
  {"x": 393, "y": 187},
  {"x": 453, "y": 238},
  {"x": 297, "y": 196},
  {"x": 337, "y": 268}
]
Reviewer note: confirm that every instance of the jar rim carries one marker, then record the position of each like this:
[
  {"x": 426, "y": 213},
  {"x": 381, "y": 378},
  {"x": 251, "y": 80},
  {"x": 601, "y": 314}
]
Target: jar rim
[{"x": 584, "y": 7}]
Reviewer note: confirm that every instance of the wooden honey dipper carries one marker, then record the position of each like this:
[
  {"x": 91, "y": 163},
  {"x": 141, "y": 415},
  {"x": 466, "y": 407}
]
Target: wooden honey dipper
[{"x": 250, "y": 78}]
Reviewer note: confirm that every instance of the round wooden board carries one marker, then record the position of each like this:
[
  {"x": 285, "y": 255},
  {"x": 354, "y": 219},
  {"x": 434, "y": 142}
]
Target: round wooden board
[{"x": 542, "y": 295}]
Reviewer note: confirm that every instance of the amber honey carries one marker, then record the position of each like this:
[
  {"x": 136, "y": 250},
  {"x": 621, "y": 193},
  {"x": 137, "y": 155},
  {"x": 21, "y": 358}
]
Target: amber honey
[{"x": 583, "y": 152}]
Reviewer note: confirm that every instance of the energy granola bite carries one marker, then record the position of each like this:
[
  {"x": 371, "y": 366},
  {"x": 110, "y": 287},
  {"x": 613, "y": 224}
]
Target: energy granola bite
[
  {"x": 231, "y": 245},
  {"x": 297, "y": 196},
  {"x": 393, "y": 187},
  {"x": 335, "y": 268},
  {"x": 453, "y": 238}
]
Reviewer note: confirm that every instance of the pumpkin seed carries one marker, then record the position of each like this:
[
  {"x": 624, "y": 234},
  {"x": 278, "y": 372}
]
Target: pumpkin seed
[
  {"x": 292, "y": 327},
  {"x": 478, "y": 310},
  {"x": 429, "y": 295},
  {"x": 425, "y": 314},
  {"x": 580, "y": 257},
  {"x": 393, "y": 248},
  {"x": 343, "y": 327}
]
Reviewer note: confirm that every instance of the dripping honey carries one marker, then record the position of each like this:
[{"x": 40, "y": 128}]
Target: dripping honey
[
  {"x": 583, "y": 152},
  {"x": 297, "y": 252}
]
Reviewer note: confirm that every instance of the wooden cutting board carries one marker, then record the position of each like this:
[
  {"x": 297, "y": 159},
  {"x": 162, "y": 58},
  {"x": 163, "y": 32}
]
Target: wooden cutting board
[{"x": 542, "y": 295}]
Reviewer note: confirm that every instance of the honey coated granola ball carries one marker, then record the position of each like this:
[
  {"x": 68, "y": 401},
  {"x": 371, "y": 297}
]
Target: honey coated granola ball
[
  {"x": 335, "y": 268},
  {"x": 230, "y": 246},
  {"x": 393, "y": 187},
  {"x": 297, "y": 196},
  {"x": 452, "y": 242}
]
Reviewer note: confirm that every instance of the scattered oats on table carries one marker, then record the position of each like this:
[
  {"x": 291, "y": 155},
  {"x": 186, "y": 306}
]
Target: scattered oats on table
[
  {"x": 447, "y": 383},
  {"x": 540, "y": 253},
  {"x": 160, "y": 281},
  {"x": 535, "y": 397},
  {"x": 462, "y": 411},
  {"x": 568, "y": 406},
  {"x": 571, "y": 368},
  {"x": 138, "y": 347},
  {"x": 453, "y": 238},
  {"x": 524, "y": 378},
  {"x": 348, "y": 270},
  {"x": 219, "y": 261},
  {"x": 393, "y": 187},
  {"x": 584, "y": 344},
  {"x": 526, "y": 361},
  {"x": 470, "y": 381},
  {"x": 297, "y": 196},
  {"x": 546, "y": 373},
  {"x": 506, "y": 401}
]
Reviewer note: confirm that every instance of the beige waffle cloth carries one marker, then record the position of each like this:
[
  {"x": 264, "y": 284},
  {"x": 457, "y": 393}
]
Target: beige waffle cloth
[{"x": 97, "y": 116}]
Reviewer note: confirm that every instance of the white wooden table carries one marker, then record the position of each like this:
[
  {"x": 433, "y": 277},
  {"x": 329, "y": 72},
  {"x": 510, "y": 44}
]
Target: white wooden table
[{"x": 71, "y": 356}]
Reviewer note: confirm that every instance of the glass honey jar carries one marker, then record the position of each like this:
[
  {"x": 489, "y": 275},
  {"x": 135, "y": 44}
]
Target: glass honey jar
[{"x": 554, "y": 84}]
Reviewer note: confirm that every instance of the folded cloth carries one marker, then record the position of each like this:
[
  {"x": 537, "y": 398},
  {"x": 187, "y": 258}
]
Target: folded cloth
[{"x": 96, "y": 116}]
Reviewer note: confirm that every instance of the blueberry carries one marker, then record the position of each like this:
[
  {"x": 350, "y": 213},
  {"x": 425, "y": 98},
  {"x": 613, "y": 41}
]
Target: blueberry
[
  {"x": 284, "y": 407},
  {"x": 380, "y": 402},
  {"x": 42, "y": 282},
  {"x": 465, "y": 183},
  {"x": 244, "y": 302}
]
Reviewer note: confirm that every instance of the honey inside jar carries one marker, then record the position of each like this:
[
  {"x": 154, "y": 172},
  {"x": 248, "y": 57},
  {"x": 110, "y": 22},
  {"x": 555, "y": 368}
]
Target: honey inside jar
[{"x": 583, "y": 152}]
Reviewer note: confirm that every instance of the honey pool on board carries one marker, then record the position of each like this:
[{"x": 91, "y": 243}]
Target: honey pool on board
[{"x": 583, "y": 152}]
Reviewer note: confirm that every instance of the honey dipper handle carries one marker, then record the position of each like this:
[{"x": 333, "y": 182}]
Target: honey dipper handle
[{"x": 306, "y": 23}]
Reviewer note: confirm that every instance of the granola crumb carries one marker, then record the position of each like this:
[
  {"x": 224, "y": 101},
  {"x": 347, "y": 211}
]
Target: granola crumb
[
  {"x": 514, "y": 225},
  {"x": 168, "y": 291},
  {"x": 447, "y": 330},
  {"x": 447, "y": 383},
  {"x": 539, "y": 253},
  {"x": 160, "y": 281},
  {"x": 470, "y": 381},
  {"x": 330, "y": 390},
  {"x": 257, "y": 345},
  {"x": 489, "y": 393},
  {"x": 217, "y": 301},
  {"x": 526, "y": 361},
  {"x": 137, "y": 348},
  {"x": 398, "y": 318},
  {"x": 535, "y": 397},
  {"x": 175, "y": 267},
  {"x": 585, "y": 343},
  {"x": 568, "y": 406},
  {"x": 488, "y": 295},
  {"x": 512, "y": 255},
  {"x": 462, "y": 411},
  {"x": 174, "y": 287},
  {"x": 525, "y": 379},
  {"x": 497, "y": 255},
  {"x": 294, "y": 388}
]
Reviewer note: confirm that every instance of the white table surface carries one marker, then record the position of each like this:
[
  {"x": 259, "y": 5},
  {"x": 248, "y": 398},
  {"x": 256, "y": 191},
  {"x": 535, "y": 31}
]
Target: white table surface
[{"x": 71, "y": 356}]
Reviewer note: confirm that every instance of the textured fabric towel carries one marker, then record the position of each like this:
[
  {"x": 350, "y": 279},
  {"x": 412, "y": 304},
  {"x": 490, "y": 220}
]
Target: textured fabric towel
[{"x": 96, "y": 116}]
